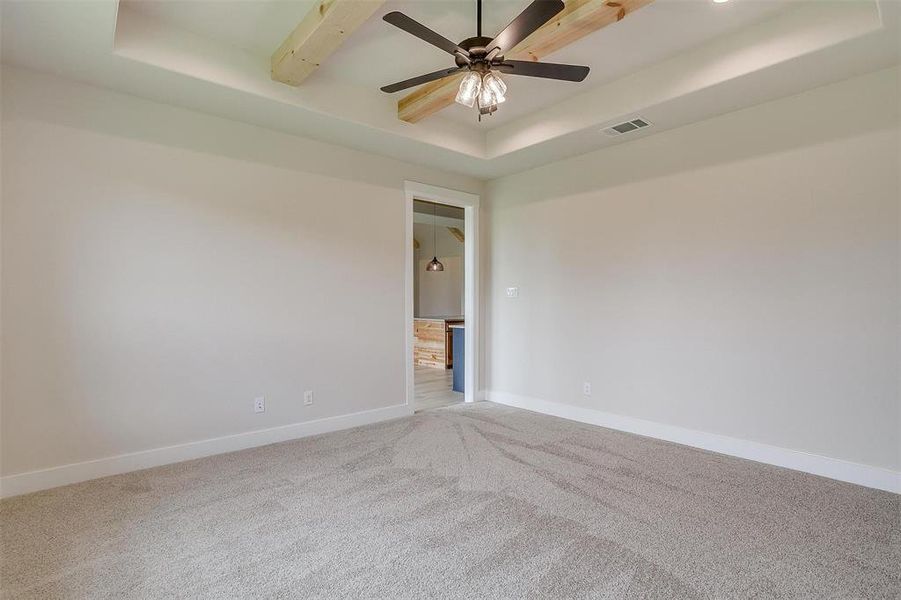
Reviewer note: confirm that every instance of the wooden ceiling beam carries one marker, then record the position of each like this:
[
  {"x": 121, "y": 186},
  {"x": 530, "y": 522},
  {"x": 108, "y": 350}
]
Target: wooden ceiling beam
[
  {"x": 575, "y": 21},
  {"x": 457, "y": 233},
  {"x": 317, "y": 36}
]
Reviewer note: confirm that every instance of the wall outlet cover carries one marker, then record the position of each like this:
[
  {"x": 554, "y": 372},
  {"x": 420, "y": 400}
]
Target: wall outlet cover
[
  {"x": 586, "y": 388},
  {"x": 259, "y": 405}
]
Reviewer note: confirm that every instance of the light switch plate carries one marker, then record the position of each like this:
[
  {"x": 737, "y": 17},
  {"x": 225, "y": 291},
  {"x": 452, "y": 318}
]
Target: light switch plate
[
  {"x": 512, "y": 292},
  {"x": 308, "y": 397}
]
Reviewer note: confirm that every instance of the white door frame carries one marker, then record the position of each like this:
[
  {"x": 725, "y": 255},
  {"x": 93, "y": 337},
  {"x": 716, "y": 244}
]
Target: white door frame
[{"x": 470, "y": 205}]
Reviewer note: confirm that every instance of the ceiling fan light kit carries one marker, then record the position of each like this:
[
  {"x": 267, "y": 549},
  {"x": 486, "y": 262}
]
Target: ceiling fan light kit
[{"x": 483, "y": 57}]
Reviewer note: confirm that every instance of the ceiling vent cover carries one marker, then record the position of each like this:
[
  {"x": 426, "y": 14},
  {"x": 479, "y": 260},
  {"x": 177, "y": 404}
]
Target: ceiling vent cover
[{"x": 627, "y": 127}]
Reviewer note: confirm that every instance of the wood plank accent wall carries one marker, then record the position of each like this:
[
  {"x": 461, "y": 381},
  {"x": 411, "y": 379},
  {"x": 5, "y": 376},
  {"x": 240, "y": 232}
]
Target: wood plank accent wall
[
  {"x": 429, "y": 345},
  {"x": 433, "y": 342}
]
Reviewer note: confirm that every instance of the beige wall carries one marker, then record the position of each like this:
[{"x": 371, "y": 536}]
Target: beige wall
[
  {"x": 739, "y": 276},
  {"x": 161, "y": 268},
  {"x": 437, "y": 293}
]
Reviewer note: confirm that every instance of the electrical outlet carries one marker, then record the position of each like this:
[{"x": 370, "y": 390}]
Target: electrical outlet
[
  {"x": 586, "y": 388},
  {"x": 259, "y": 405},
  {"x": 308, "y": 397}
]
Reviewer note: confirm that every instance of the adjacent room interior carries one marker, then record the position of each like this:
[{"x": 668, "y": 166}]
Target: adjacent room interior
[
  {"x": 450, "y": 299},
  {"x": 439, "y": 322}
]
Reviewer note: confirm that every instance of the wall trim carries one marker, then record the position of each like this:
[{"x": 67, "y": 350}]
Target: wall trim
[
  {"x": 33, "y": 481},
  {"x": 833, "y": 468},
  {"x": 414, "y": 190}
]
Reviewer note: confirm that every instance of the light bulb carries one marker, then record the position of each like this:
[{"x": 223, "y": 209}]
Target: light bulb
[
  {"x": 497, "y": 86},
  {"x": 469, "y": 89}
]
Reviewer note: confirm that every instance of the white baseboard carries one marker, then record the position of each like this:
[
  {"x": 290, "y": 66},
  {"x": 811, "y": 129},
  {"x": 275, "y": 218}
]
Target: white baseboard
[
  {"x": 24, "y": 483},
  {"x": 842, "y": 470}
]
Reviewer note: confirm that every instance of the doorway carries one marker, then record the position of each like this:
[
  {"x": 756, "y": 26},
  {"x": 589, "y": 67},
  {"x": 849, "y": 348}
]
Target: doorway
[{"x": 441, "y": 308}]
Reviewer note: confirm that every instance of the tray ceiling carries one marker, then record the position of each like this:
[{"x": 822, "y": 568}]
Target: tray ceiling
[{"x": 673, "y": 62}]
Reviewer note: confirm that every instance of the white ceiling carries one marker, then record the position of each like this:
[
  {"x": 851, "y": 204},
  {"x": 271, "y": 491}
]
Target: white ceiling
[
  {"x": 378, "y": 53},
  {"x": 674, "y": 61},
  {"x": 257, "y": 26}
]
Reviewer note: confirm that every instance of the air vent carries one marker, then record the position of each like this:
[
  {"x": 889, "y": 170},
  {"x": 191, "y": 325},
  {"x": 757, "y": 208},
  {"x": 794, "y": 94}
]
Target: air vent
[{"x": 626, "y": 127}]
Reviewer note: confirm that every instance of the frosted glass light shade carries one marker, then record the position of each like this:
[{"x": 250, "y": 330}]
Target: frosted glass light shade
[
  {"x": 488, "y": 99},
  {"x": 494, "y": 83},
  {"x": 469, "y": 90}
]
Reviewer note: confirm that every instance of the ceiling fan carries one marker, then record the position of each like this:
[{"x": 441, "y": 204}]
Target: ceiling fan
[{"x": 484, "y": 58}]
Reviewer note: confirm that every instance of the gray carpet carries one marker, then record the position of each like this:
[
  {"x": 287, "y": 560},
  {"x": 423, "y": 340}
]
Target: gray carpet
[{"x": 475, "y": 501}]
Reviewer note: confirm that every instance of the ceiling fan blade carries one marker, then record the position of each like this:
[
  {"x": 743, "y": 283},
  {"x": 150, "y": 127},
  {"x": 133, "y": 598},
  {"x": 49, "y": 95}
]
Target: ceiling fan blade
[
  {"x": 402, "y": 21},
  {"x": 534, "y": 16},
  {"x": 546, "y": 70},
  {"x": 408, "y": 83}
]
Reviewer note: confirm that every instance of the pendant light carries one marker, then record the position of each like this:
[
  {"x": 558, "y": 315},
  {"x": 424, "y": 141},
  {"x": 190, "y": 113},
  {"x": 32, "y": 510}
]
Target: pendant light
[{"x": 434, "y": 264}]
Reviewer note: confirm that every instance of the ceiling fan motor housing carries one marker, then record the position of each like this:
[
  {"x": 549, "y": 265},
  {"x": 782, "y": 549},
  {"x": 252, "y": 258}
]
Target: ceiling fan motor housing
[{"x": 478, "y": 54}]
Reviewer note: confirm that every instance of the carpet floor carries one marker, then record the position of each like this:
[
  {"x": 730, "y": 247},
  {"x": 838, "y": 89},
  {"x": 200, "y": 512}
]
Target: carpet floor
[{"x": 478, "y": 501}]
